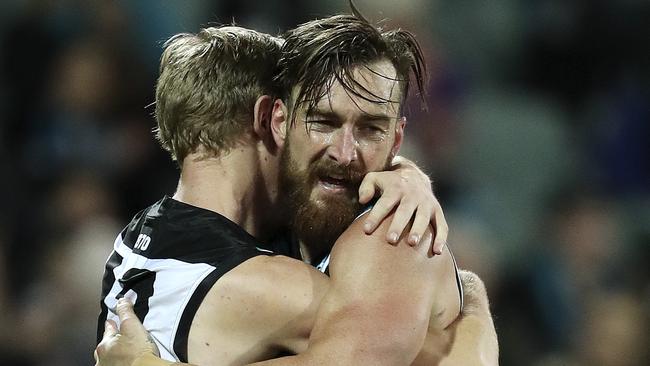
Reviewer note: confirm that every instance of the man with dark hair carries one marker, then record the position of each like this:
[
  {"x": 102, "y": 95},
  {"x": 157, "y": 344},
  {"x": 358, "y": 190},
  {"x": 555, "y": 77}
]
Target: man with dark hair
[
  {"x": 342, "y": 78},
  {"x": 384, "y": 303}
]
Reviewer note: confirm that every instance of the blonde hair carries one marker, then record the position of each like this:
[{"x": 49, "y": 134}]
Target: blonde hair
[{"x": 208, "y": 86}]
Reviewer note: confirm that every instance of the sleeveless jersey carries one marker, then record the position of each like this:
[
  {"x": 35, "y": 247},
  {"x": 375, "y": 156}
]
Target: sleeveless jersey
[{"x": 165, "y": 261}]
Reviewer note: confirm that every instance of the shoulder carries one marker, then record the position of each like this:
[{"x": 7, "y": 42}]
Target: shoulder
[
  {"x": 396, "y": 268},
  {"x": 270, "y": 278},
  {"x": 354, "y": 247},
  {"x": 266, "y": 300}
]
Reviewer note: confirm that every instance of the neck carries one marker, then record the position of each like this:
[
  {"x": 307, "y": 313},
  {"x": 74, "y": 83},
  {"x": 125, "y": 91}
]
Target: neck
[{"x": 231, "y": 185}]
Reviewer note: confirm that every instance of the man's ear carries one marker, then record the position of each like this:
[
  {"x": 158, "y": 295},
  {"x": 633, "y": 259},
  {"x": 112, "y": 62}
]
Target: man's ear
[
  {"x": 262, "y": 112},
  {"x": 262, "y": 116},
  {"x": 279, "y": 122},
  {"x": 399, "y": 136}
]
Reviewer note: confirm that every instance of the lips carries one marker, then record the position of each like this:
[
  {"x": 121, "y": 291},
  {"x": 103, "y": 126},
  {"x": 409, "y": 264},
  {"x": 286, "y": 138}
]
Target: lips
[
  {"x": 334, "y": 184},
  {"x": 337, "y": 179},
  {"x": 334, "y": 181}
]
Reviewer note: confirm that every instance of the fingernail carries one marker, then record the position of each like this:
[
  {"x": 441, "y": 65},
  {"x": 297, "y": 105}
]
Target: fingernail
[
  {"x": 414, "y": 239},
  {"x": 367, "y": 226},
  {"x": 392, "y": 237}
]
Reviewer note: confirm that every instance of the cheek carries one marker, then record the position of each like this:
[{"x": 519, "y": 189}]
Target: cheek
[
  {"x": 318, "y": 139},
  {"x": 313, "y": 145},
  {"x": 303, "y": 149},
  {"x": 375, "y": 156}
]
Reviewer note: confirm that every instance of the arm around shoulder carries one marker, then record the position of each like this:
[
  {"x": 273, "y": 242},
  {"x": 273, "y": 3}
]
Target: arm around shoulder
[{"x": 379, "y": 302}]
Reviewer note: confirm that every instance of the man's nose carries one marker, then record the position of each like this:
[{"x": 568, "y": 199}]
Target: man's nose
[{"x": 344, "y": 147}]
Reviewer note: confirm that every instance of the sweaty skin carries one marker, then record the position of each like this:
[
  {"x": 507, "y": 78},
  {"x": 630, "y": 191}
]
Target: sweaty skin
[
  {"x": 277, "y": 305},
  {"x": 470, "y": 340}
]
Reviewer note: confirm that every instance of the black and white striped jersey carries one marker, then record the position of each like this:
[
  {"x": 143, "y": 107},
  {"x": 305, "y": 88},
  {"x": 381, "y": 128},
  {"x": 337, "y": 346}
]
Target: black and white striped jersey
[{"x": 165, "y": 261}]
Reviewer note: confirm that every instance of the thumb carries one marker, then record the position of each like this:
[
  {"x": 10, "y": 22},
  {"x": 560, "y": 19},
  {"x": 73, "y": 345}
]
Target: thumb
[
  {"x": 124, "y": 310},
  {"x": 130, "y": 324}
]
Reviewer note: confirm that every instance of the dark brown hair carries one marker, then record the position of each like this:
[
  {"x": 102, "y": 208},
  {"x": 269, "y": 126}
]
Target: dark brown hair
[
  {"x": 208, "y": 86},
  {"x": 317, "y": 53}
]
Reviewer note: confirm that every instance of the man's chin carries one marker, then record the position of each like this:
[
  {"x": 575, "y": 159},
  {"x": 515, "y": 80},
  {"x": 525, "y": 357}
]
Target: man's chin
[
  {"x": 322, "y": 220},
  {"x": 334, "y": 207}
]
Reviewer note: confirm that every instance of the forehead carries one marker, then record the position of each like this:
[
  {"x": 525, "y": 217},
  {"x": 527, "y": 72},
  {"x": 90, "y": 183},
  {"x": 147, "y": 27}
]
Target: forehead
[{"x": 373, "y": 89}]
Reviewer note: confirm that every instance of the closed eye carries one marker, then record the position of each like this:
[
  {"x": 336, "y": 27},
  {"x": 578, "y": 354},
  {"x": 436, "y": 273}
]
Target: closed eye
[
  {"x": 373, "y": 128},
  {"x": 372, "y": 132},
  {"x": 320, "y": 121},
  {"x": 321, "y": 125}
]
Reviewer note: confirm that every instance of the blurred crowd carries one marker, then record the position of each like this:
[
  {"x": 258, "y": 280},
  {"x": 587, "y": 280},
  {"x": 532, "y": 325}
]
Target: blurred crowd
[{"x": 537, "y": 137}]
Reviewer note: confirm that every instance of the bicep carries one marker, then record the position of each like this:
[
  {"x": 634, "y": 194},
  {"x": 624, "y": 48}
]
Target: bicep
[
  {"x": 367, "y": 267},
  {"x": 381, "y": 295}
]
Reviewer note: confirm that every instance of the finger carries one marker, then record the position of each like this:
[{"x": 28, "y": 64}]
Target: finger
[
  {"x": 124, "y": 310},
  {"x": 420, "y": 224},
  {"x": 427, "y": 241},
  {"x": 442, "y": 230},
  {"x": 402, "y": 217},
  {"x": 379, "y": 211},
  {"x": 367, "y": 188}
]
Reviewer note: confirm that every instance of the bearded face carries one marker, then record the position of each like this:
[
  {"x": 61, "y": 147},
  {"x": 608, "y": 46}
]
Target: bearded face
[
  {"x": 330, "y": 148},
  {"x": 318, "y": 219}
]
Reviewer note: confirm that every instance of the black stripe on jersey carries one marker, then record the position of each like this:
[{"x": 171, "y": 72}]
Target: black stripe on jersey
[
  {"x": 141, "y": 282},
  {"x": 183, "y": 331},
  {"x": 187, "y": 233},
  {"x": 109, "y": 278}
]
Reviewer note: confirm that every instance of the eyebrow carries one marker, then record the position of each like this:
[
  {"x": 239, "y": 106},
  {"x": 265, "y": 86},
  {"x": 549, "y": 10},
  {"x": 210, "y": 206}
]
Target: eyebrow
[
  {"x": 324, "y": 114},
  {"x": 365, "y": 117}
]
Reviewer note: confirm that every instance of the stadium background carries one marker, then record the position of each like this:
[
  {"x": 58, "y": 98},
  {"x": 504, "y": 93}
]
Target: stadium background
[{"x": 537, "y": 136}]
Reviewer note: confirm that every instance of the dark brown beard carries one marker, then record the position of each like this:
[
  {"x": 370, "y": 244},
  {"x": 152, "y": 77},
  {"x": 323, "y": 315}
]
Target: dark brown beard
[{"x": 318, "y": 223}]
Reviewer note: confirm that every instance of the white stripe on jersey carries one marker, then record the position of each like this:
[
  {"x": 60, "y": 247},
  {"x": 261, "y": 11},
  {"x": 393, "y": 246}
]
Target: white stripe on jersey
[
  {"x": 264, "y": 250},
  {"x": 175, "y": 283}
]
